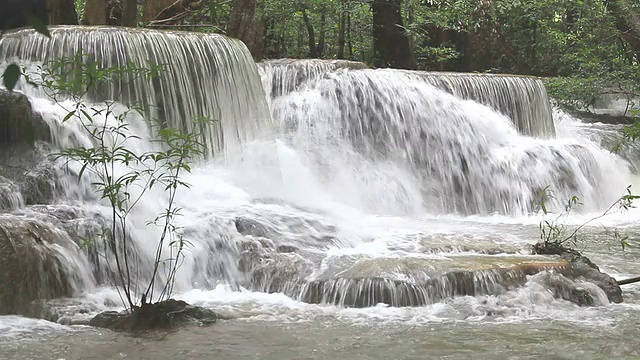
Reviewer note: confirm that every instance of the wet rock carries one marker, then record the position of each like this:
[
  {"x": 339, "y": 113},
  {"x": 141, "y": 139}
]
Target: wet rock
[
  {"x": 603, "y": 118},
  {"x": 577, "y": 292},
  {"x": 32, "y": 264},
  {"x": 582, "y": 268},
  {"x": 287, "y": 248},
  {"x": 10, "y": 196},
  {"x": 250, "y": 227},
  {"x": 362, "y": 282},
  {"x": 162, "y": 315},
  {"x": 271, "y": 271},
  {"x": 39, "y": 185},
  {"x": 364, "y": 292},
  {"x": 86, "y": 228},
  {"x": 18, "y": 123}
]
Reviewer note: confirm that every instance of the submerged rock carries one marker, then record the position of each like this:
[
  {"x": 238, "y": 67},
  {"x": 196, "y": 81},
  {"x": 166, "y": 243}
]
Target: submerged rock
[
  {"x": 162, "y": 315},
  {"x": 582, "y": 268},
  {"x": 405, "y": 281}
]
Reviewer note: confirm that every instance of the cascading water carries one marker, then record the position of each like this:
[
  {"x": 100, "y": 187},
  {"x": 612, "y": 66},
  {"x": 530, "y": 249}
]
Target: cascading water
[
  {"x": 523, "y": 99},
  {"x": 465, "y": 157},
  {"x": 358, "y": 199},
  {"x": 204, "y": 76},
  {"x": 283, "y": 76}
]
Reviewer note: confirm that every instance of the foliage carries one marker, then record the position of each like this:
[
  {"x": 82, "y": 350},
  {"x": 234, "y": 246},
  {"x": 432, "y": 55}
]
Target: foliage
[
  {"x": 120, "y": 176},
  {"x": 556, "y": 230}
]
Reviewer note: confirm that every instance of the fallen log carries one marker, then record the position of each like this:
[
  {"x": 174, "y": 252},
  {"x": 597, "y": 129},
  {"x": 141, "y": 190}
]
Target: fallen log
[{"x": 629, "y": 281}]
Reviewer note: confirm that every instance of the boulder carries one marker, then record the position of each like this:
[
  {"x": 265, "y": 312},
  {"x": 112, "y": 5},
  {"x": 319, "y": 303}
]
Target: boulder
[
  {"x": 18, "y": 123},
  {"x": 162, "y": 315},
  {"x": 582, "y": 268},
  {"x": 33, "y": 264},
  {"x": 269, "y": 269}
]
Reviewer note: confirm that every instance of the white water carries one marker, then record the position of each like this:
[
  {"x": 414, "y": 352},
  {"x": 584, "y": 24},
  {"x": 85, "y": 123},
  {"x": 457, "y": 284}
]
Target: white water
[
  {"x": 196, "y": 68},
  {"x": 368, "y": 165},
  {"x": 368, "y": 207}
]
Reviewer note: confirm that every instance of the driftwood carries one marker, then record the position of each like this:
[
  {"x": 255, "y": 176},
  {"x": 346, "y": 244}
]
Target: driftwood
[
  {"x": 177, "y": 11},
  {"x": 629, "y": 281}
]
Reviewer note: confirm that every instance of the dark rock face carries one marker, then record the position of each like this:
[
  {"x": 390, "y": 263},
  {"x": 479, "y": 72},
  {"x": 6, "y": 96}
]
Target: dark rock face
[
  {"x": 163, "y": 315},
  {"x": 18, "y": 123},
  {"x": 30, "y": 266},
  {"x": 583, "y": 269},
  {"x": 24, "y": 149},
  {"x": 604, "y": 118}
]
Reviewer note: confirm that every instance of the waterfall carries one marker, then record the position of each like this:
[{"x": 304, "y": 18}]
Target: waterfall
[
  {"x": 349, "y": 203},
  {"x": 521, "y": 98},
  {"x": 467, "y": 158},
  {"x": 282, "y": 76},
  {"x": 206, "y": 75}
]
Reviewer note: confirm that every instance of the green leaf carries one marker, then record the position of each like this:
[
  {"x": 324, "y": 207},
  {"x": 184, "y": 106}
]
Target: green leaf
[
  {"x": 69, "y": 115},
  {"x": 11, "y": 76},
  {"x": 37, "y": 25}
]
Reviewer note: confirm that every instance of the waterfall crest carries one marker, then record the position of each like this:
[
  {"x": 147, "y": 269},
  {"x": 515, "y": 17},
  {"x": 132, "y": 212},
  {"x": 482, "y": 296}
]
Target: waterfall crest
[
  {"x": 521, "y": 98},
  {"x": 206, "y": 75},
  {"x": 282, "y": 76}
]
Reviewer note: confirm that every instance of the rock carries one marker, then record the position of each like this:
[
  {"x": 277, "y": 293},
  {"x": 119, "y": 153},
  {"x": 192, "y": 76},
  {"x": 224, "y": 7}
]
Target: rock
[
  {"x": 10, "y": 196},
  {"x": 39, "y": 185},
  {"x": 271, "y": 271},
  {"x": 18, "y": 123},
  {"x": 353, "y": 281},
  {"x": 582, "y": 268},
  {"x": 162, "y": 315},
  {"x": 250, "y": 227},
  {"x": 591, "y": 117},
  {"x": 34, "y": 264},
  {"x": 577, "y": 292}
]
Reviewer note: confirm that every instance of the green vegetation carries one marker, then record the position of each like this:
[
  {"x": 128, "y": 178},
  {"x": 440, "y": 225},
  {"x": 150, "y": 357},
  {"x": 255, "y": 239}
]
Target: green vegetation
[
  {"x": 555, "y": 231},
  {"x": 121, "y": 176},
  {"x": 585, "y": 47}
]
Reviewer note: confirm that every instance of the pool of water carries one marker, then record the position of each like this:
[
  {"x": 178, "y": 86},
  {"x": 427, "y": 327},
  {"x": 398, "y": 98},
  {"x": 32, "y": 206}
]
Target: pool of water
[{"x": 526, "y": 323}]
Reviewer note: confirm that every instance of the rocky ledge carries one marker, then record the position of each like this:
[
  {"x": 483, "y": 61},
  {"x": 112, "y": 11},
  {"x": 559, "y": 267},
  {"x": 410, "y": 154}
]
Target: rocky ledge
[
  {"x": 582, "y": 269},
  {"x": 158, "y": 316}
]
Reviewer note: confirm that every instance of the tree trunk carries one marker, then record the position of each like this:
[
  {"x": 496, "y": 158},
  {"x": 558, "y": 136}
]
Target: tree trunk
[
  {"x": 153, "y": 8},
  {"x": 341, "y": 30},
  {"x": 349, "y": 39},
  {"x": 95, "y": 13},
  {"x": 62, "y": 12},
  {"x": 243, "y": 24},
  {"x": 390, "y": 42},
  {"x": 313, "y": 53},
  {"x": 260, "y": 36},
  {"x": 130, "y": 13},
  {"x": 627, "y": 22},
  {"x": 412, "y": 37},
  {"x": 323, "y": 23}
]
